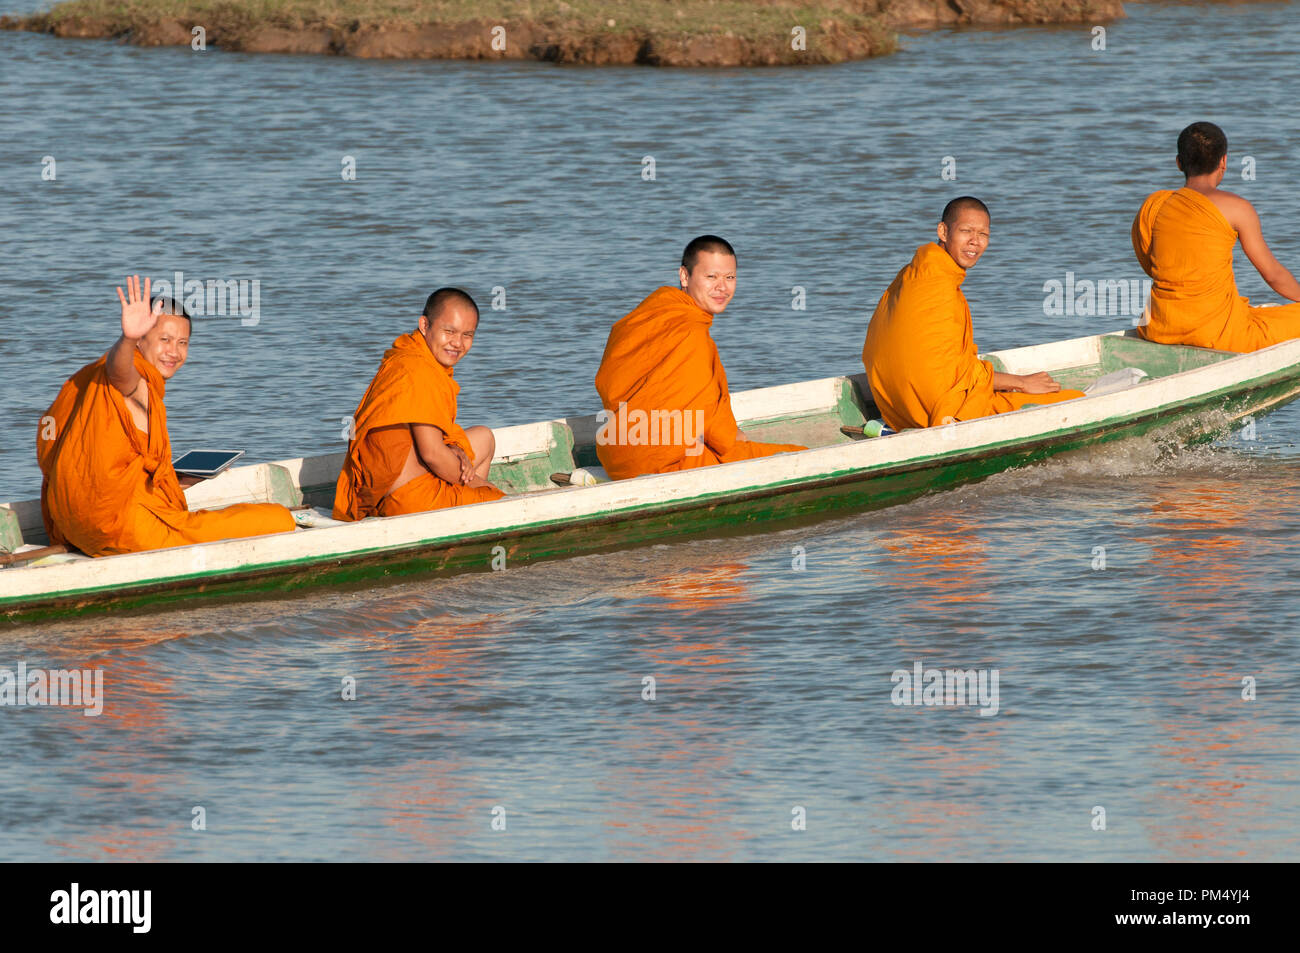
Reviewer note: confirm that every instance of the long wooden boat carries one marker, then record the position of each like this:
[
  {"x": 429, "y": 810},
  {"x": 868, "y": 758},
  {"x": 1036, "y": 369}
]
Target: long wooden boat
[{"x": 1190, "y": 394}]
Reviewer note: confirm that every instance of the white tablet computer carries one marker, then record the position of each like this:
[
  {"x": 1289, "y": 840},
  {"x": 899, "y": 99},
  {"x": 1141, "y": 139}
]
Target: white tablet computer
[{"x": 205, "y": 463}]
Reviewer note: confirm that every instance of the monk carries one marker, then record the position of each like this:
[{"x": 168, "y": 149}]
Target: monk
[
  {"x": 103, "y": 448},
  {"x": 667, "y": 406},
  {"x": 1184, "y": 241},
  {"x": 407, "y": 454},
  {"x": 920, "y": 355}
]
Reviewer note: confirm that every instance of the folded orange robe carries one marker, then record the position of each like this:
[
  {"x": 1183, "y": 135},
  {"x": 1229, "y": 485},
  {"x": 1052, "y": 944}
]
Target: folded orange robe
[
  {"x": 410, "y": 387},
  {"x": 920, "y": 353},
  {"x": 660, "y": 362},
  {"x": 110, "y": 488},
  {"x": 1185, "y": 244}
]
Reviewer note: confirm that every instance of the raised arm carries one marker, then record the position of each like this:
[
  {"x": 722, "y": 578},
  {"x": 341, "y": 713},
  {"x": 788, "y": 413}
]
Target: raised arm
[
  {"x": 1245, "y": 220},
  {"x": 137, "y": 321}
]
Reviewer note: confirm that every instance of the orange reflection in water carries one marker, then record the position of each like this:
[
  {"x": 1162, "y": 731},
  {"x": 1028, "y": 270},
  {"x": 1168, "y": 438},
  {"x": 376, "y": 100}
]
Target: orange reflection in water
[
  {"x": 696, "y": 589},
  {"x": 934, "y": 823},
  {"x": 666, "y": 792},
  {"x": 695, "y": 817},
  {"x": 684, "y": 600},
  {"x": 1224, "y": 784},
  {"x": 441, "y": 647},
  {"x": 1222, "y": 790},
  {"x": 132, "y": 844},
  {"x": 438, "y": 811},
  {"x": 1199, "y": 547},
  {"x": 137, "y": 690},
  {"x": 939, "y": 559}
]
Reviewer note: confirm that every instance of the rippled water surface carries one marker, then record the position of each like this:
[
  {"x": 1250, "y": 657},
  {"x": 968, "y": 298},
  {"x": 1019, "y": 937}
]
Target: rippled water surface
[{"x": 1120, "y": 686}]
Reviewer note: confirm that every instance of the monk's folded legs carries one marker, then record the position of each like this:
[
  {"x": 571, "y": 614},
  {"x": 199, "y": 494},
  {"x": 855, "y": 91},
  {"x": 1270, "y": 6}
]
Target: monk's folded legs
[
  {"x": 1004, "y": 400},
  {"x": 1270, "y": 325},
  {"x": 430, "y": 492},
  {"x": 160, "y": 528}
]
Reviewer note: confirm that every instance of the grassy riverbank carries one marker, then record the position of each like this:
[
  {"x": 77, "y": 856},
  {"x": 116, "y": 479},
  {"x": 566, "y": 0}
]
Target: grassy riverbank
[{"x": 654, "y": 32}]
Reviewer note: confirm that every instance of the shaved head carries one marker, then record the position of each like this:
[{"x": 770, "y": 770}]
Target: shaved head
[
  {"x": 444, "y": 297},
  {"x": 160, "y": 305},
  {"x": 448, "y": 324},
  {"x": 1201, "y": 147},
  {"x": 705, "y": 243},
  {"x": 964, "y": 231},
  {"x": 167, "y": 345},
  {"x": 952, "y": 211}
]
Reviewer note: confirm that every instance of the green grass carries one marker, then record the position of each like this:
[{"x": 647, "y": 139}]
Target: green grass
[
  {"x": 666, "y": 32},
  {"x": 743, "y": 17}
]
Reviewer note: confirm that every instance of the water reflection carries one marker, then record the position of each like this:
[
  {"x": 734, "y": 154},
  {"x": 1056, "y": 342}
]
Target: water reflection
[{"x": 939, "y": 559}]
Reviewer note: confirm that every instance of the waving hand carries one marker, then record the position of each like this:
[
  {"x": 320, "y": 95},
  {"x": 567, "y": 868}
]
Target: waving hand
[{"x": 137, "y": 319}]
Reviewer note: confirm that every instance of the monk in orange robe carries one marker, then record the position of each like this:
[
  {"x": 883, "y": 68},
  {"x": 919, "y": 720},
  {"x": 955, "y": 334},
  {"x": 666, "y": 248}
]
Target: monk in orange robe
[
  {"x": 920, "y": 355},
  {"x": 407, "y": 454},
  {"x": 667, "y": 406},
  {"x": 103, "y": 448},
  {"x": 1184, "y": 241}
]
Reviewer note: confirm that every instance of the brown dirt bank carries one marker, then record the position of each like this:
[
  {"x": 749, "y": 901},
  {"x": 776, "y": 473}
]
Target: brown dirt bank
[{"x": 650, "y": 32}]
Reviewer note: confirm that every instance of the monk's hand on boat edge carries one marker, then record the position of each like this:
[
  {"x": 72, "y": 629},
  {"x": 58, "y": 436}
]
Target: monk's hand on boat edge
[{"x": 1040, "y": 383}]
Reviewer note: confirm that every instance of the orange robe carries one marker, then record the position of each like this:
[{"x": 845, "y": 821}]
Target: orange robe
[
  {"x": 410, "y": 387},
  {"x": 920, "y": 353},
  {"x": 1185, "y": 244},
  {"x": 662, "y": 385},
  {"x": 110, "y": 488}
]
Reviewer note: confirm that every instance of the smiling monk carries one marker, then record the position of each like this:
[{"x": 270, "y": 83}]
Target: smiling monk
[
  {"x": 1184, "y": 241},
  {"x": 407, "y": 454},
  {"x": 920, "y": 353},
  {"x": 667, "y": 406},
  {"x": 103, "y": 448}
]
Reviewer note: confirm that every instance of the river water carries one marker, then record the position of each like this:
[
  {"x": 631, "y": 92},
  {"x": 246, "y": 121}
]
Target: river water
[{"x": 517, "y": 697}]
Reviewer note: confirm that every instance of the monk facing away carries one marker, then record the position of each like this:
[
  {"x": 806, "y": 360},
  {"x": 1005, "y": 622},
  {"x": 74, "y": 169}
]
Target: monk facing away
[
  {"x": 1184, "y": 241},
  {"x": 407, "y": 454},
  {"x": 109, "y": 486},
  {"x": 920, "y": 355},
  {"x": 667, "y": 406}
]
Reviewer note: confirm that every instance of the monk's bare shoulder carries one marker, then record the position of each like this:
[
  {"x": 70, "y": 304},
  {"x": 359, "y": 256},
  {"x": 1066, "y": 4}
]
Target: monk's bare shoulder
[{"x": 1237, "y": 210}]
